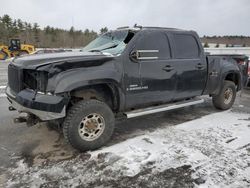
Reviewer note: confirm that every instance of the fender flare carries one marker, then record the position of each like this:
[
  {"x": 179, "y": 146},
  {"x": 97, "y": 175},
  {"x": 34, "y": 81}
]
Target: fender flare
[{"x": 71, "y": 80}]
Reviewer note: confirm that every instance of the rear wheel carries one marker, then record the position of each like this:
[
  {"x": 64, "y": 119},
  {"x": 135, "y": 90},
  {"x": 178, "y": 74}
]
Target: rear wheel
[
  {"x": 88, "y": 125},
  {"x": 225, "y": 99}
]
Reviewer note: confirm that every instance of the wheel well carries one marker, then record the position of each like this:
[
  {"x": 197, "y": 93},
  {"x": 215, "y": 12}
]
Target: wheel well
[
  {"x": 233, "y": 77},
  {"x": 103, "y": 92}
]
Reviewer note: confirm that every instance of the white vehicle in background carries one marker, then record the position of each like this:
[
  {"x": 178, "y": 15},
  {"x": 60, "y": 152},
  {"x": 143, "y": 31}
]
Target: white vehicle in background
[{"x": 50, "y": 50}]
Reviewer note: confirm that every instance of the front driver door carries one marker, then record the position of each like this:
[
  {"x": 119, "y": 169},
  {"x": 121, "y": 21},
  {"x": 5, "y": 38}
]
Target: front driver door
[{"x": 156, "y": 70}]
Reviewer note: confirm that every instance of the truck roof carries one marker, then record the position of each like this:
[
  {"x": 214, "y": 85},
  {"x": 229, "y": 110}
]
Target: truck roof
[
  {"x": 138, "y": 28},
  {"x": 163, "y": 28}
]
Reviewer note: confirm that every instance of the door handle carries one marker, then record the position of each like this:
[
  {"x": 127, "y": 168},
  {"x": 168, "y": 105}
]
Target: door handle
[
  {"x": 168, "y": 68},
  {"x": 199, "y": 66}
]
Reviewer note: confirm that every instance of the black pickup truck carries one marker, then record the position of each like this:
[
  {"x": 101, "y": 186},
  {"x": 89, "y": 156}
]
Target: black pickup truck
[{"x": 127, "y": 72}]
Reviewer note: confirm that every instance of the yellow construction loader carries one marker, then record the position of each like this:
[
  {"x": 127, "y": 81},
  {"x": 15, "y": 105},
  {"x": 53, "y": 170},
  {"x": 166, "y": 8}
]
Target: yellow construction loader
[{"x": 15, "y": 49}]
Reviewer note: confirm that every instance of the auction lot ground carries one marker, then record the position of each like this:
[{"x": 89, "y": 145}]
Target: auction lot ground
[{"x": 190, "y": 147}]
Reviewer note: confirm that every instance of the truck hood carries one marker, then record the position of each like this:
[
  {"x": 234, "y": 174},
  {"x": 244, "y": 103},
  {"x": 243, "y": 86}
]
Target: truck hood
[{"x": 67, "y": 59}]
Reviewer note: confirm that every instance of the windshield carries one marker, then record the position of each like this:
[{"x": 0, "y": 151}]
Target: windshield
[{"x": 112, "y": 42}]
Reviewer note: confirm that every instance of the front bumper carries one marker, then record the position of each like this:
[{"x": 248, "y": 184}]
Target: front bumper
[{"x": 45, "y": 107}]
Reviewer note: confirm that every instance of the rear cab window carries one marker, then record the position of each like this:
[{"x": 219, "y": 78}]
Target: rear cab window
[{"x": 185, "y": 46}]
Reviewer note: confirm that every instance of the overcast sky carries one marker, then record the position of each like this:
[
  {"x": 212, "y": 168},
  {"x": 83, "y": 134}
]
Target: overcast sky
[{"x": 207, "y": 17}]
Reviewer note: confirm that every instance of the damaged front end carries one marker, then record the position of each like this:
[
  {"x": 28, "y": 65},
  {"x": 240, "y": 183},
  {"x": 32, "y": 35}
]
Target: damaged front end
[
  {"x": 35, "y": 80},
  {"x": 37, "y": 85},
  {"x": 26, "y": 92}
]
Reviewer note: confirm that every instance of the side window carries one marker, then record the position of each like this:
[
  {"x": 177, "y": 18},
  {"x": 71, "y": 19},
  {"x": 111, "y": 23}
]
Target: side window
[
  {"x": 186, "y": 46},
  {"x": 153, "y": 45}
]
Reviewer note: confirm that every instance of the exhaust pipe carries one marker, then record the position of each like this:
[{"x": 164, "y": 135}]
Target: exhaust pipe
[{"x": 20, "y": 120}]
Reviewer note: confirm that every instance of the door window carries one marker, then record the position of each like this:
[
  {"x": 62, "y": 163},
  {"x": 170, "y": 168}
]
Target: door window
[{"x": 153, "y": 45}]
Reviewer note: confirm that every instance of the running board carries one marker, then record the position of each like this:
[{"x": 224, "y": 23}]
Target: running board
[{"x": 162, "y": 108}]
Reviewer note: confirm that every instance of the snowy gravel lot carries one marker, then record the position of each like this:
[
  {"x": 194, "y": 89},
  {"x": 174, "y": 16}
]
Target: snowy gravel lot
[
  {"x": 191, "y": 147},
  {"x": 208, "y": 152},
  {"x": 3, "y": 76}
]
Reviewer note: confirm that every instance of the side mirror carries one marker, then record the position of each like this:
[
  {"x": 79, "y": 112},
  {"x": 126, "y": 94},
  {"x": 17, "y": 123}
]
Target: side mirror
[{"x": 134, "y": 55}]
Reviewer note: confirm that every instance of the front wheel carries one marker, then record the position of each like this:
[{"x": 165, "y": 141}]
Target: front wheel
[
  {"x": 88, "y": 125},
  {"x": 225, "y": 99}
]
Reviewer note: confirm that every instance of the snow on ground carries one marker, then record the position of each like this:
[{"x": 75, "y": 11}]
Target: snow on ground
[{"x": 213, "y": 151}]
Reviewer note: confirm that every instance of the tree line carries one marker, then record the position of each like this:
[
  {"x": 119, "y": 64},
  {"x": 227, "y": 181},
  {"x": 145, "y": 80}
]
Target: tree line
[
  {"x": 51, "y": 37},
  {"x": 47, "y": 37}
]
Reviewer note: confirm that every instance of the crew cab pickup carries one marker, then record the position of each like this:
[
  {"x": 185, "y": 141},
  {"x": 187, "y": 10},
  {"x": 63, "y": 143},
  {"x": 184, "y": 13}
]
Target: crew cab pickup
[{"x": 127, "y": 72}]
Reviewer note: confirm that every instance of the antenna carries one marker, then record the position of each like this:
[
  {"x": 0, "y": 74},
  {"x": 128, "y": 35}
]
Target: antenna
[{"x": 72, "y": 21}]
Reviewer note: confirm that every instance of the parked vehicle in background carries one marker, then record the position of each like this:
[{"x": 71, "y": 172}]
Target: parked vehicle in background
[
  {"x": 124, "y": 73},
  {"x": 243, "y": 62},
  {"x": 50, "y": 50},
  {"x": 15, "y": 49}
]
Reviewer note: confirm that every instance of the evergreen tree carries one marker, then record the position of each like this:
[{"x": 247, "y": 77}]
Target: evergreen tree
[
  {"x": 103, "y": 30},
  {"x": 36, "y": 33}
]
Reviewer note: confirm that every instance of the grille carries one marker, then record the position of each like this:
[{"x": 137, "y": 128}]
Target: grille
[{"x": 14, "y": 78}]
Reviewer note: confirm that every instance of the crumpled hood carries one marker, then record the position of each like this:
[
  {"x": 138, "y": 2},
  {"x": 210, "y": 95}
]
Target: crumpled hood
[{"x": 69, "y": 59}]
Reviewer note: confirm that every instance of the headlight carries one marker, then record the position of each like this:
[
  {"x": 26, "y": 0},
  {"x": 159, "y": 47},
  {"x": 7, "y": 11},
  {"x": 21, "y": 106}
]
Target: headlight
[{"x": 36, "y": 80}]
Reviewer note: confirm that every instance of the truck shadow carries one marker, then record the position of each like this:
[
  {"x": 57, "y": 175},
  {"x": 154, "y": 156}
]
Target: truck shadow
[
  {"x": 52, "y": 147},
  {"x": 137, "y": 126}
]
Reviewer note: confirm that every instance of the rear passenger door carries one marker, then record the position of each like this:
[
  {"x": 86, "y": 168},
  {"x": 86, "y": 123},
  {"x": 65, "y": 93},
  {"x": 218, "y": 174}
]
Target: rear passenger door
[{"x": 190, "y": 65}]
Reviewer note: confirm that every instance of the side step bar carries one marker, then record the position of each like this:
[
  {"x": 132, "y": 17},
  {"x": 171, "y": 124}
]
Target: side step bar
[{"x": 162, "y": 108}]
